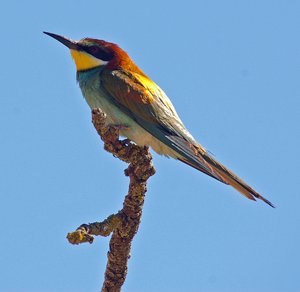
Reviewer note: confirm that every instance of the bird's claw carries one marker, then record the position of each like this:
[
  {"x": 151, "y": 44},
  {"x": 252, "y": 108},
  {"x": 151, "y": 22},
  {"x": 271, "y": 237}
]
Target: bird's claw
[{"x": 119, "y": 126}]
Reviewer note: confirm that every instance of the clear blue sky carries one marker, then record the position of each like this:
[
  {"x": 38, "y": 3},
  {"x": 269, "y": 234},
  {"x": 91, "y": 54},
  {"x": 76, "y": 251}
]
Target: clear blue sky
[{"x": 232, "y": 70}]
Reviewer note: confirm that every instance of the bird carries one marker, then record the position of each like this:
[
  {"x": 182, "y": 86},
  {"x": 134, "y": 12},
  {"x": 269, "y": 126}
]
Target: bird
[{"x": 110, "y": 80}]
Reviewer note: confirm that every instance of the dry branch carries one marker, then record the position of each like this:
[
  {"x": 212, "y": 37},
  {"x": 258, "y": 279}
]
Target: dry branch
[{"x": 124, "y": 224}]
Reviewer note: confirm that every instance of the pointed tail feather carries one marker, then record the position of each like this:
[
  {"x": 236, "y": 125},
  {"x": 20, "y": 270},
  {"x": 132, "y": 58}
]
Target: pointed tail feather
[
  {"x": 196, "y": 156},
  {"x": 198, "y": 167},
  {"x": 232, "y": 179},
  {"x": 204, "y": 162}
]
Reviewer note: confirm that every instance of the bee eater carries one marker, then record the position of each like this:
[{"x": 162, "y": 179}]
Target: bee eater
[{"x": 111, "y": 81}]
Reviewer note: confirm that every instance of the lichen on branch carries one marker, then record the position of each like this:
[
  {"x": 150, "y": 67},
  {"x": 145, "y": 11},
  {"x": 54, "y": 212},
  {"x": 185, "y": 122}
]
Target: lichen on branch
[{"x": 125, "y": 223}]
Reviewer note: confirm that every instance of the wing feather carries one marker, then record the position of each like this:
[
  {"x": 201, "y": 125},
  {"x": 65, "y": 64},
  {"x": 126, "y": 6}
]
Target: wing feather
[{"x": 147, "y": 104}]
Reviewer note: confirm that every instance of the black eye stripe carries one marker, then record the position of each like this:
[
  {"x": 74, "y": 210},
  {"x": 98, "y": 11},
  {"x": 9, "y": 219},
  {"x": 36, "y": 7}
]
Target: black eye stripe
[
  {"x": 93, "y": 49},
  {"x": 98, "y": 52}
]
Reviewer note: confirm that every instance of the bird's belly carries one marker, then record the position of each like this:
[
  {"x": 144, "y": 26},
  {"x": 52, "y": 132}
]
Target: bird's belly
[
  {"x": 142, "y": 138},
  {"x": 133, "y": 131}
]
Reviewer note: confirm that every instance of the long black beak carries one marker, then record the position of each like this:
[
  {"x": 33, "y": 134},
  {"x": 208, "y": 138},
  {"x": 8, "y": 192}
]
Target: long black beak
[{"x": 66, "y": 41}]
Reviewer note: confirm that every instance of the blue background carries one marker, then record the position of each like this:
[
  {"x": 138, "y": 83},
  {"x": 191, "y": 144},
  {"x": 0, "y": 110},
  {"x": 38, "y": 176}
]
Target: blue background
[{"x": 232, "y": 70}]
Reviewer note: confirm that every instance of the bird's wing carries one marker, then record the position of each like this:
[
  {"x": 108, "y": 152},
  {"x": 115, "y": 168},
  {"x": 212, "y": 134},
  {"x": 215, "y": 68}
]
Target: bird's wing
[{"x": 147, "y": 104}]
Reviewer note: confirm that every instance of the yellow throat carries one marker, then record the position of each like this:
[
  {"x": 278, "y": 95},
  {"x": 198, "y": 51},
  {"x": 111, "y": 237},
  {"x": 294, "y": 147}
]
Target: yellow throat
[{"x": 85, "y": 61}]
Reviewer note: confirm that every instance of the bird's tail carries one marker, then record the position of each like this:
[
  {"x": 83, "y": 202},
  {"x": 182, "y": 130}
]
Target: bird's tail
[{"x": 207, "y": 164}]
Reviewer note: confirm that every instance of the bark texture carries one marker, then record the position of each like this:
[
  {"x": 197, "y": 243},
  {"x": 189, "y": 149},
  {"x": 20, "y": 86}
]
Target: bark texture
[{"x": 125, "y": 223}]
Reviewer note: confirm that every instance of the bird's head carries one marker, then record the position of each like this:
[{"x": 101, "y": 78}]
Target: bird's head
[{"x": 90, "y": 53}]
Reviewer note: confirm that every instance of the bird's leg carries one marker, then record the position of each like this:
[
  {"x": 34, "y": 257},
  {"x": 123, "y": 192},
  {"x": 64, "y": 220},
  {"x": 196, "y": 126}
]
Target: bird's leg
[{"x": 119, "y": 127}]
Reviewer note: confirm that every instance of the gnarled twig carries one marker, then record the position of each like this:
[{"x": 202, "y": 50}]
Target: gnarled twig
[{"x": 123, "y": 225}]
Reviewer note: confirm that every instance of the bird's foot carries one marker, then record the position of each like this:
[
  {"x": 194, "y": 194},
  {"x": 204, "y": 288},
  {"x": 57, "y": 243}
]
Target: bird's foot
[{"x": 119, "y": 127}]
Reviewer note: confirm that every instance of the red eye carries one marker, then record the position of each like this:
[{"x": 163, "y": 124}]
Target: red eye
[{"x": 93, "y": 50}]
